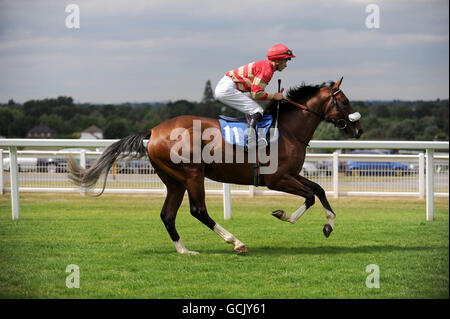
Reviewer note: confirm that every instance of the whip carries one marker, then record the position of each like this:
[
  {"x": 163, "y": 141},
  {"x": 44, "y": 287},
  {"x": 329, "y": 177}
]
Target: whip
[{"x": 275, "y": 134}]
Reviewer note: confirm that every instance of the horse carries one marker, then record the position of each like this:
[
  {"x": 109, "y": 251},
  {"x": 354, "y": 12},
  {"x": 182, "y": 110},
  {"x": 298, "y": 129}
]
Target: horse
[{"x": 298, "y": 117}]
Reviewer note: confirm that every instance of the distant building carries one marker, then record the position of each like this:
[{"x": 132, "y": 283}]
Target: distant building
[
  {"x": 92, "y": 133},
  {"x": 41, "y": 131}
]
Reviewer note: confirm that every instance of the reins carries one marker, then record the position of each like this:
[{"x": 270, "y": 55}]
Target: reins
[
  {"x": 304, "y": 107},
  {"x": 340, "y": 123}
]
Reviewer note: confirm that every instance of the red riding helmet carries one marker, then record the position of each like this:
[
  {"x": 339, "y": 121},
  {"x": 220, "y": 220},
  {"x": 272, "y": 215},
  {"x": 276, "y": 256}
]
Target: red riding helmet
[{"x": 279, "y": 51}]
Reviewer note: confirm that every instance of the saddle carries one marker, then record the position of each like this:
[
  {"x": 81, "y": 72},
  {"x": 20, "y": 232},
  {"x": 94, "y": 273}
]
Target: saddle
[{"x": 234, "y": 130}]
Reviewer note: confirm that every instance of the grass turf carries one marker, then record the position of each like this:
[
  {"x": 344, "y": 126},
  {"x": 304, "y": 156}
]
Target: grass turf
[{"x": 124, "y": 251}]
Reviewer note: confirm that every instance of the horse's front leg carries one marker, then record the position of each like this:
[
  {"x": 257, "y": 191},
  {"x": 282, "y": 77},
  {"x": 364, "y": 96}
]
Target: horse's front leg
[
  {"x": 320, "y": 193},
  {"x": 290, "y": 184}
]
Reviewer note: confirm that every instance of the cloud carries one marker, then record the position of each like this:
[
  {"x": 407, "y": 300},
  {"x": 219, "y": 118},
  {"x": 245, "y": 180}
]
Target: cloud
[{"x": 159, "y": 50}]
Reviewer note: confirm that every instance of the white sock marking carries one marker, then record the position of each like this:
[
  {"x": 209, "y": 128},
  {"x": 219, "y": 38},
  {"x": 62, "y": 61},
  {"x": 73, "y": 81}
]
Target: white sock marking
[
  {"x": 330, "y": 216},
  {"x": 181, "y": 249},
  {"x": 297, "y": 214},
  {"x": 227, "y": 236}
]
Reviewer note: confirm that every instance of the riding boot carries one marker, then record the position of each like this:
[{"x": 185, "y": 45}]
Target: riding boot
[{"x": 251, "y": 138}]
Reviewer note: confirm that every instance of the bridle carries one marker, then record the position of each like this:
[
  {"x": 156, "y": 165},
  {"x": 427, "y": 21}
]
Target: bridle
[{"x": 342, "y": 123}]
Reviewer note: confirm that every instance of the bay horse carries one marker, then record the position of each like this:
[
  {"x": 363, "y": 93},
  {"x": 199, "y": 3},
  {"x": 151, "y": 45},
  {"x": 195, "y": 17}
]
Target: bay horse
[{"x": 298, "y": 118}]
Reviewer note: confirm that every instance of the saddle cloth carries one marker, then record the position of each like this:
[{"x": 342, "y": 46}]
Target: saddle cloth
[{"x": 234, "y": 130}]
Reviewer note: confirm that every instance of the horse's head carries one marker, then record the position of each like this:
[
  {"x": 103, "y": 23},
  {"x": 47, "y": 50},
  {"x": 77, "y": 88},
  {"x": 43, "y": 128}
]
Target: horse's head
[{"x": 339, "y": 111}]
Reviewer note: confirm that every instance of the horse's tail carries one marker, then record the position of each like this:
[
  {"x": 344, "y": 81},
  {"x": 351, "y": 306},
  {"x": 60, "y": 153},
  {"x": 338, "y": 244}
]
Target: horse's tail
[{"x": 131, "y": 146}]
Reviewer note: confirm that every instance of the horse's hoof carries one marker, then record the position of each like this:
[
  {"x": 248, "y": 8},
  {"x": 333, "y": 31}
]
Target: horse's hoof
[
  {"x": 188, "y": 252},
  {"x": 279, "y": 214},
  {"x": 327, "y": 229},
  {"x": 241, "y": 249}
]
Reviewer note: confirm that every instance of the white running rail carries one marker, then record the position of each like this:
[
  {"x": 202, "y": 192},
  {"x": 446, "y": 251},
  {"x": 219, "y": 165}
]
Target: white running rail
[{"x": 426, "y": 163}]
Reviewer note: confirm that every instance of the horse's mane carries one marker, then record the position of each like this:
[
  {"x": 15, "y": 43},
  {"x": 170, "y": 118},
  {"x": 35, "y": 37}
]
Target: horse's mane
[{"x": 298, "y": 94}]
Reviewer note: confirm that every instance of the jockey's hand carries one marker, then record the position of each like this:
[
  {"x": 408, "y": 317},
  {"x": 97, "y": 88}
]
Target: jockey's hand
[{"x": 278, "y": 96}]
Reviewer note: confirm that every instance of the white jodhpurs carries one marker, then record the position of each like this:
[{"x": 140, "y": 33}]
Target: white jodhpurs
[{"x": 227, "y": 93}]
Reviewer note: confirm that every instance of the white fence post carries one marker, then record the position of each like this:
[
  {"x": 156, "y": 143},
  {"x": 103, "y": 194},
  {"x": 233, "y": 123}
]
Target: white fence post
[
  {"x": 83, "y": 159},
  {"x": 14, "y": 177},
  {"x": 421, "y": 176},
  {"x": 335, "y": 175},
  {"x": 83, "y": 166},
  {"x": 251, "y": 191},
  {"x": 1, "y": 172},
  {"x": 430, "y": 184},
  {"x": 226, "y": 201}
]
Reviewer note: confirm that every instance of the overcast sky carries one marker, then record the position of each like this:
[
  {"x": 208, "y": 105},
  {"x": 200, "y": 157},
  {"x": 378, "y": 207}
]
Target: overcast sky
[{"x": 145, "y": 51}]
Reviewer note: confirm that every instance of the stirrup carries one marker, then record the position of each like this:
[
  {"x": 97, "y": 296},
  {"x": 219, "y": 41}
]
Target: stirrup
[
  {"x": 251, "y": 143},
  {"x": 262, "y": 142}
]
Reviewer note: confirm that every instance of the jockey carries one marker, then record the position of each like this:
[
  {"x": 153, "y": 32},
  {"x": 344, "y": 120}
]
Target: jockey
[{"x": 240, "y": 88}]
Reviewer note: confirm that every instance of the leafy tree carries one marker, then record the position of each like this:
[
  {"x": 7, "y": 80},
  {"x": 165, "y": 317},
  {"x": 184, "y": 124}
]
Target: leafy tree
[
  {"x": 424, "y": 109},
  {"x": 151, "y": 118},
  {"x": 403, "y": 130},
  {"x": 20, "y": 126},
  {"x": 362, "y": 108},
  {"x": 117, "y": 128},
  {"x": 208, "y": 95},
  {"x": 78, "y": 123},
  {"x": 64, "y": 100},
  {"x": 66, "y": 112},
  {"x": 381, "y": 111},
  {"x": 123, "y": 111},
  {"x": 6, "y": 118},
  {"x": 430, "y": 133},
  {"x": 106, "y": 110},
  {"x": 409, "y": 120},
  {"x": 326, "y": 131},
  {"x": 53, "y": 121},
  {"x": 378, "y": 133},
  {"x": 370, "y": 122},
  {"x": 401, "y": 111}
]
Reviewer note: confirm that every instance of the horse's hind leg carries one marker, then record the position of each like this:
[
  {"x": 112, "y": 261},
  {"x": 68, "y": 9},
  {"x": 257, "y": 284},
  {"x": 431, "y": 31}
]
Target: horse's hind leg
[
  {"x": 175, "y": 194},
  {"x": 196, "y": 192},
  {"x": 320, "y": 193}
]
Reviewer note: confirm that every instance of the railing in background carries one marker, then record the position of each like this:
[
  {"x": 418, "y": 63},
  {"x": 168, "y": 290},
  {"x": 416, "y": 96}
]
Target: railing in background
[
  {"x": 406, "y": 178},
  {"x": 383, "y": 174}
]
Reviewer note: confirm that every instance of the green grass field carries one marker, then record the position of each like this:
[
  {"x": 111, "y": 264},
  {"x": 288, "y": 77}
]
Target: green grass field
[{"x": 124, "y": 251}]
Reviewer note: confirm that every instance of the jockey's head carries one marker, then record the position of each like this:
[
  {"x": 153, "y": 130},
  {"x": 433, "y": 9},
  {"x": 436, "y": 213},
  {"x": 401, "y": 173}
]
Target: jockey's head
[{"x": 279, "y": 54}]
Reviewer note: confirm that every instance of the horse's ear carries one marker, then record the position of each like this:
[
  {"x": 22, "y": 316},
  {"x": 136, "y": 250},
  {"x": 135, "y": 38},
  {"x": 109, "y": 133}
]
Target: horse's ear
[{"x": 338, "y": 83}]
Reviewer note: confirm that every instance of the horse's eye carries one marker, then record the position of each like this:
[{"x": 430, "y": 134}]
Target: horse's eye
[{"x": 345, "y": 102}]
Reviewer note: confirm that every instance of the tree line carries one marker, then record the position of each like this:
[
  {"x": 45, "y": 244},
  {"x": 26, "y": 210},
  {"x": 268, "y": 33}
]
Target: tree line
[{"x": 381, "y": 120}]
